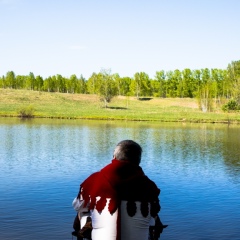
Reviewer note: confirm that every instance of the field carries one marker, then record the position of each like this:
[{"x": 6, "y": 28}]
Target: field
[{"x": 84, "y": 106}]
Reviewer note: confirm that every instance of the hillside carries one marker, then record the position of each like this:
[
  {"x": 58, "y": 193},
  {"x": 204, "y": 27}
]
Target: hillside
[{"x": 86, "y": 106}]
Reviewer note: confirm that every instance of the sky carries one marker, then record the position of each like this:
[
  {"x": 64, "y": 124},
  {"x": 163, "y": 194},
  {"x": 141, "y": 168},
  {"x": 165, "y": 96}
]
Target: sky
[{"x": 49, "y": 37}]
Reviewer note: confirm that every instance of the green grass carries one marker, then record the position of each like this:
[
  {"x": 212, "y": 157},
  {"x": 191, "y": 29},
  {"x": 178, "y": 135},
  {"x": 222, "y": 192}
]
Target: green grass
[{"x": 84, "y": 106}]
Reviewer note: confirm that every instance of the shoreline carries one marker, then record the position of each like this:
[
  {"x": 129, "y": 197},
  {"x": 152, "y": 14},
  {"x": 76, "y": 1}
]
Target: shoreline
[
  {"x": 126, "y": 120},
  {"x": 33, "y": 104}
]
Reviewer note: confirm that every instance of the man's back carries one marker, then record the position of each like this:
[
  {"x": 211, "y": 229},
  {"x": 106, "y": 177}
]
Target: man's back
[
  {"x": 106, "y": 226},
  {"x": 120, "y": 197}
]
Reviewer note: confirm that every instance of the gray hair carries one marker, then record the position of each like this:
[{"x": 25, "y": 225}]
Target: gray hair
[{"x": 128, "y": 150}]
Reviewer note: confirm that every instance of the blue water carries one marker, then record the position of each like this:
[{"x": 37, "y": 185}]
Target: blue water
[{"x": 42, "y": 163}]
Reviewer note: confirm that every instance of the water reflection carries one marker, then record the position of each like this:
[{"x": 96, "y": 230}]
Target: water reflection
[
  {"x": 43, "y": 161},
  {"x": 231, "y": 152},
  {"x": 63, "y": 141}
]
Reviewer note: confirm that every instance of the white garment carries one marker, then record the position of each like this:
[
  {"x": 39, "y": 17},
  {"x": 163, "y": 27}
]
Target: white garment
[
  {"x": 82, "y": 212},
  {"x": 105, "y": 224}
]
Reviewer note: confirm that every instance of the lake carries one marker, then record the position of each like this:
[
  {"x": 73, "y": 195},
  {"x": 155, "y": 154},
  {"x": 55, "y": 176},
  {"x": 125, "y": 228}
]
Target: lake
[{"x": 43, "y": 161}]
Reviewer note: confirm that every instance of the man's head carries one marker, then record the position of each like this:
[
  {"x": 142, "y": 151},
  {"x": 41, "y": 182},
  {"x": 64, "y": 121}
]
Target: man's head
[{"x": 128, "y": 150}]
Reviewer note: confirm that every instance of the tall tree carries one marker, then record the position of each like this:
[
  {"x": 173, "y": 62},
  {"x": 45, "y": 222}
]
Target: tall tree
[
  {"x": 2, "y": 81},
  {"x": 118, "y": 81},
  {"x": 155, "y": 88},
  {"x": 108, "y": 88},
  {"x": 38, "y": 83},
  {"x": 61, "y": 84},
  {"x": 21, "y": 81},
  {"x": 188, "y": 84},
  {"x": 125, "y": 86},
  {"x": 218, "y": 85},
  {"x": 146, "y": 89},
  {"x": 48, "y": 84},
  {"x": 176, "y": 83},
  {"x": 72, "y": 86},
  {"x": 206, "y": 91},
  {"x": 161, "y": 78},
  {"x": 93, "y": 83},
  {"x": 234, "y": 76},
  {"x": 30, "y": 81},
  {"x": 197, "y": 82},
  {"x": 81, "y": 85},
  {"x": 142, "y": 84},
  {"x": 137, "y": 80},
  {"x": 10, "y": 80},
  {"x": 172, "y": 83},
  {"x": 226, "y": 84}
]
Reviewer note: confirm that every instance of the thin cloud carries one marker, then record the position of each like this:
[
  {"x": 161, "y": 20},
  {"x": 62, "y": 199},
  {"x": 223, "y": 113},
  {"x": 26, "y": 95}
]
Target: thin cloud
[
  {"x": 9, "y": 2},
  {"x": 77, "y": 47}
]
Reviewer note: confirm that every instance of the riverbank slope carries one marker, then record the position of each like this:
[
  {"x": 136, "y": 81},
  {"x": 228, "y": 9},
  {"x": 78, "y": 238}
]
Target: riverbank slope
[{"x": 86, "y": 106}]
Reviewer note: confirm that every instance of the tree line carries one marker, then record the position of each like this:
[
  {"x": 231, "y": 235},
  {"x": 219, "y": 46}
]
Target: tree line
[{"x": 204, "y": 84}]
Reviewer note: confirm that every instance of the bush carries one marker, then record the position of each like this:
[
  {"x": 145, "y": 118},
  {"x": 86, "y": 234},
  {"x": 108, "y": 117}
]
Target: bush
[
  {"x": 26, "y": 112},
  {"x": 231, "y": 105}
]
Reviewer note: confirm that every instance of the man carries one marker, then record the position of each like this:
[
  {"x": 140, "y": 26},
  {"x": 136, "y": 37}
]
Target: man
[{"x": 121, "y": 198}]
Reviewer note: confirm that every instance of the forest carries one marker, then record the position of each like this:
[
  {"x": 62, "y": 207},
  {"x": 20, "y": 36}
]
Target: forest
[{"x": 208, "y": 85}]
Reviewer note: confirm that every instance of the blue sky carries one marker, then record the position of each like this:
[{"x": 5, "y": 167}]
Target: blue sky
[{"x": 49, "y": 37}]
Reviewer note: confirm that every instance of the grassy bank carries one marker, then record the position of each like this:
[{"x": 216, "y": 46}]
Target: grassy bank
[{"x": 83, "y": 106}]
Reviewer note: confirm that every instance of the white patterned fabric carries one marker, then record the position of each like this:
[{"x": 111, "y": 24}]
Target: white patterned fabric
[{"x": 105, "y": 224}]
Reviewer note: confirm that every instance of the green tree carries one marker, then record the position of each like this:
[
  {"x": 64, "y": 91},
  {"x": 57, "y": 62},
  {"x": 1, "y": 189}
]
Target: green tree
[
  {"x": 54, "y": 84},
  {"x": 118, "y": 81},
  {"x": 10, "y": 80},
  {"x": 155, "y": 88},
  {"x": 38, "y": 83},
  {"x": 125, "y": 86},
  {"x": 93, "y": 83},
  {"x": 161, "y": 78},
  {"x": 30, "y": 81},
  {"x": 81, "y": 85},
  {"x": 108, "y": 88},
  {"x": 189, "y": 86},
  {"x": 48, "y": 84},
  {"x": 146, "y": 89},
  {"x": 234, "y": 77},
  {"x": 177, "y": 85},
  {"x": 217, "y": 77},
  {"x": 197, "y": 82},
  {"x": 61, "y": 83},
  {"x": 226, "y": 84},
  {"x": 141, "y": 85},
  {"x": 21, "y": 81},
  {"x": 205, "y": 91},
  {"x": 2, "y": 81},
  {"x": 72, "y": 84},
  {"x": 137, "y": 80},
  {"x": 172, "y": 83}
]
